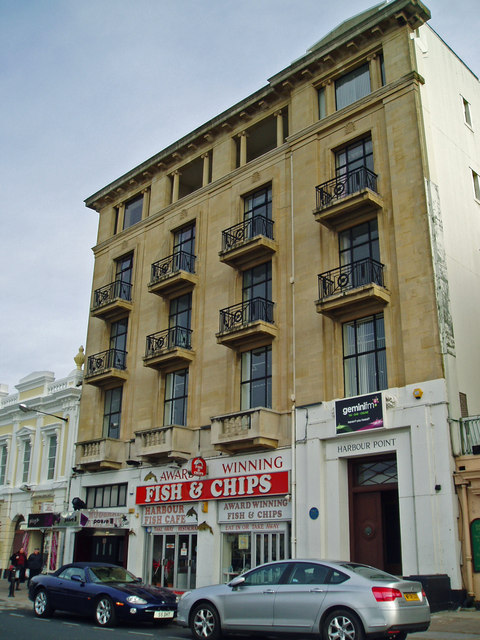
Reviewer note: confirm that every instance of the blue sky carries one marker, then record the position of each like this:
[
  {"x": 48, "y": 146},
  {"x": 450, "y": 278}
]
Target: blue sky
[{"x": 91, "y": 88}]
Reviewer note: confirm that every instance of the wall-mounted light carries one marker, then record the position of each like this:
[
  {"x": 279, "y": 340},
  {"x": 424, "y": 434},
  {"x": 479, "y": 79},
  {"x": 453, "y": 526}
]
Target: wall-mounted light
[
  {"x": 25, "y": 409},
  {"x": 78, "y": 503},
  {"x": 25, "y": 487}
]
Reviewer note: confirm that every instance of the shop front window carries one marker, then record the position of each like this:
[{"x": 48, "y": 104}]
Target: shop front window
[
  {"x": 247, "y": 549},
  {"x": 174, "y": 560}
]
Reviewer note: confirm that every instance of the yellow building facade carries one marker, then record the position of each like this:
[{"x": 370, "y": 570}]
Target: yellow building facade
[
  {"x": 38, "y": 431},
  {"x": 296, "y": 251}
]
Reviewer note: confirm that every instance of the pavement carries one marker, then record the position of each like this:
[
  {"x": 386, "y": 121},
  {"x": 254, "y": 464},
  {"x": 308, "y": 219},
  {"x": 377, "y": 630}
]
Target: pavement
[{"x": 458, "y": 624}]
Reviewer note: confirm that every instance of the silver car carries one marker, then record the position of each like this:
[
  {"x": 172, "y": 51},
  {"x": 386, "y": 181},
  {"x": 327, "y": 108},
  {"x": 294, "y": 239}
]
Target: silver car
[{"x": 336, "y": 600}]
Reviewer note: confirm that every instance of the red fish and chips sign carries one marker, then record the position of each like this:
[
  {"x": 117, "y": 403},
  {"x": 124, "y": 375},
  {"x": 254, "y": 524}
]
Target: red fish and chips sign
[{"x": 260, "y": 484}]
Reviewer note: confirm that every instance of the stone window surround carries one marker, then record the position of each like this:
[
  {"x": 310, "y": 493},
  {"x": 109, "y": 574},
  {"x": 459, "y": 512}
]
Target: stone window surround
[
  {"x": 6, "y": 441},
  {"x": 47, "y": 432}
]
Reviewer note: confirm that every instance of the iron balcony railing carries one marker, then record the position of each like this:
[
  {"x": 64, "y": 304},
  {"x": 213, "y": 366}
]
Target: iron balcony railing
[
  {"x": 180, "y": 261},
  {"x": 350, "y": 276},
  {"x": 344, "y": 185},
  {"x": 111, "y": 292},
  {"x": 240, "y": 315},
  {"x": 168, "y": 339},
  {"x": 110, "y": 359},
  {"x": 239, "y": 233},
  {"x": 470, "y": 430}
]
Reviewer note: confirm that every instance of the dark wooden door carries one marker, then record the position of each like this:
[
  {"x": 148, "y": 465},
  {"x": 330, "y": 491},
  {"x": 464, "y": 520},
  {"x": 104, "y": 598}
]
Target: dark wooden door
[
  {"x": 368, "y": 529},
  {"x": 374, "y": 513}
]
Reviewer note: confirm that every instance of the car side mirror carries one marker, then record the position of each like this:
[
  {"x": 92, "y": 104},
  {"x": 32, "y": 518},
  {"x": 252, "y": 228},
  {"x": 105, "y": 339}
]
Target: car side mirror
[
  {"x": 237, "y": 581},
  {"x": 138, "y": 580},
  {"x": 77, "y": 578}
]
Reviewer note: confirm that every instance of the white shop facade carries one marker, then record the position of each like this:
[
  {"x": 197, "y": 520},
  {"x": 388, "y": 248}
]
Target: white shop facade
[
  {"x": 375, "y": 482},
  {"x": 213, "y": 519}
]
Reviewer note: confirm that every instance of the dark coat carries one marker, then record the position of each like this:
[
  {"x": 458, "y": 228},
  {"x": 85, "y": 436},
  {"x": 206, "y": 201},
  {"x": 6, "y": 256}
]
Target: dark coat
[
  {"x": 35, "y": 562},
  {"x": 19, "y": 559}
]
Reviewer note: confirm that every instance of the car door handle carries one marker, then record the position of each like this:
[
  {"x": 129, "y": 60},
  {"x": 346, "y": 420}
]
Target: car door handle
[
  {"x": 317, "y": 590},
  {"x": 269, "y": 591}
]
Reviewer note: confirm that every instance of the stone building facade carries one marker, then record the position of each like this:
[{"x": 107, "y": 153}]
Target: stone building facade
[{"x": 281, "y": 340}]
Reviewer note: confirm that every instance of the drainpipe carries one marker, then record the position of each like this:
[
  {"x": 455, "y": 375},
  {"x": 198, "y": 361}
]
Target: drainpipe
[
  {"x": 467, "y": 545},
  {"x": 293, "y": 480}
]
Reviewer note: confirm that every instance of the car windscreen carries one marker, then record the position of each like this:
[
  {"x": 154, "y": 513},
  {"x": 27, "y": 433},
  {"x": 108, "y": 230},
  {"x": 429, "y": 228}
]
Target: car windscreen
[
  {"x": 370, "y": 572},
  {"x": 111, "y": 574}
]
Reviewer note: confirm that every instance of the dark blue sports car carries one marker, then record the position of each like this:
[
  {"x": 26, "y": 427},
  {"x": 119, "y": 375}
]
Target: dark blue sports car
[{"x": 106, "y": 591}]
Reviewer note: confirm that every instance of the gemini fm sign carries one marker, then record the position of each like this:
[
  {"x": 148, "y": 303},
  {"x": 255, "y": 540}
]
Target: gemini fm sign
[{"x": 259, "y": 484}]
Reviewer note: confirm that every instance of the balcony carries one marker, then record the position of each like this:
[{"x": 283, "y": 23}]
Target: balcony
[
  {"x": 247, "y": 325},
  {"x": 254, "y": 429},
  {"x": 173, "y": 276},
  {"x": 169, "y": 349},
  {"x": 106, "y": 369},
  {"x": 112, "y": 301},
  {"x": 164, "y": 443},
  {"x": 356, "y": 288},
  {"x": 249, "y": 243},
  {"x": 100, "y": 455},
  {"x": 470, "y": 434},
  {"x": 348, "y": 199}
]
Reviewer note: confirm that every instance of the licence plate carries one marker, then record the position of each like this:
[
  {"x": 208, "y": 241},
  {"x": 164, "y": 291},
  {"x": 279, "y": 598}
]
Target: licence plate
[
  {"x": 163, "y": 614},
  {"x": 411, "y": 596}
]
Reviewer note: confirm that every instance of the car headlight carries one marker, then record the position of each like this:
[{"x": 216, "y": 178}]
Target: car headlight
[{"x": 136, "y": 600}]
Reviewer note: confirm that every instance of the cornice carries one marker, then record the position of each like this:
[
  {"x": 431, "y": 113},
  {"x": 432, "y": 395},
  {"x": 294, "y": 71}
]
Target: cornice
[{"x": 399, "y": 13}]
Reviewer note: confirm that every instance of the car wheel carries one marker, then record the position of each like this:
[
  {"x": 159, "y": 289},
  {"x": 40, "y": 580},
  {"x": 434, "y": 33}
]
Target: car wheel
[
  {"x": 205, "y": 623},
  {"x": 400, "y": 636},
  {"x": 342, "y": 624},
  {"x": 105, "y": 613},
  {"x": 41, "y": 604}
]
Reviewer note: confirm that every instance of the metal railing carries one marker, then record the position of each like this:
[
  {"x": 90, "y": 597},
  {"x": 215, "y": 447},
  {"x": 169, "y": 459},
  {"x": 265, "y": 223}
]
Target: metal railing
[
  {"x": 242, "y": 314},
  {"x": 180, "y": 261},
  {"x": 246, "y": 230},
  {"x": 350, "y": 276},
  {"x": 344, "y": 185},
  {"x": 168, "y": 339},
  {"x": 110, "y": 359},
  {"x": 470, "y": 432},
  {"x": 111, "y": 292}
]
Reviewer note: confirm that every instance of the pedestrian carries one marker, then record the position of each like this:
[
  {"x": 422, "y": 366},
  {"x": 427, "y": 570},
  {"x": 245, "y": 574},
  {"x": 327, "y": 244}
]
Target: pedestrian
[
  {"x": 34, "y": 564},
  {"x": 11, "y": 581},
  {"x": 19, "y": 561}
]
